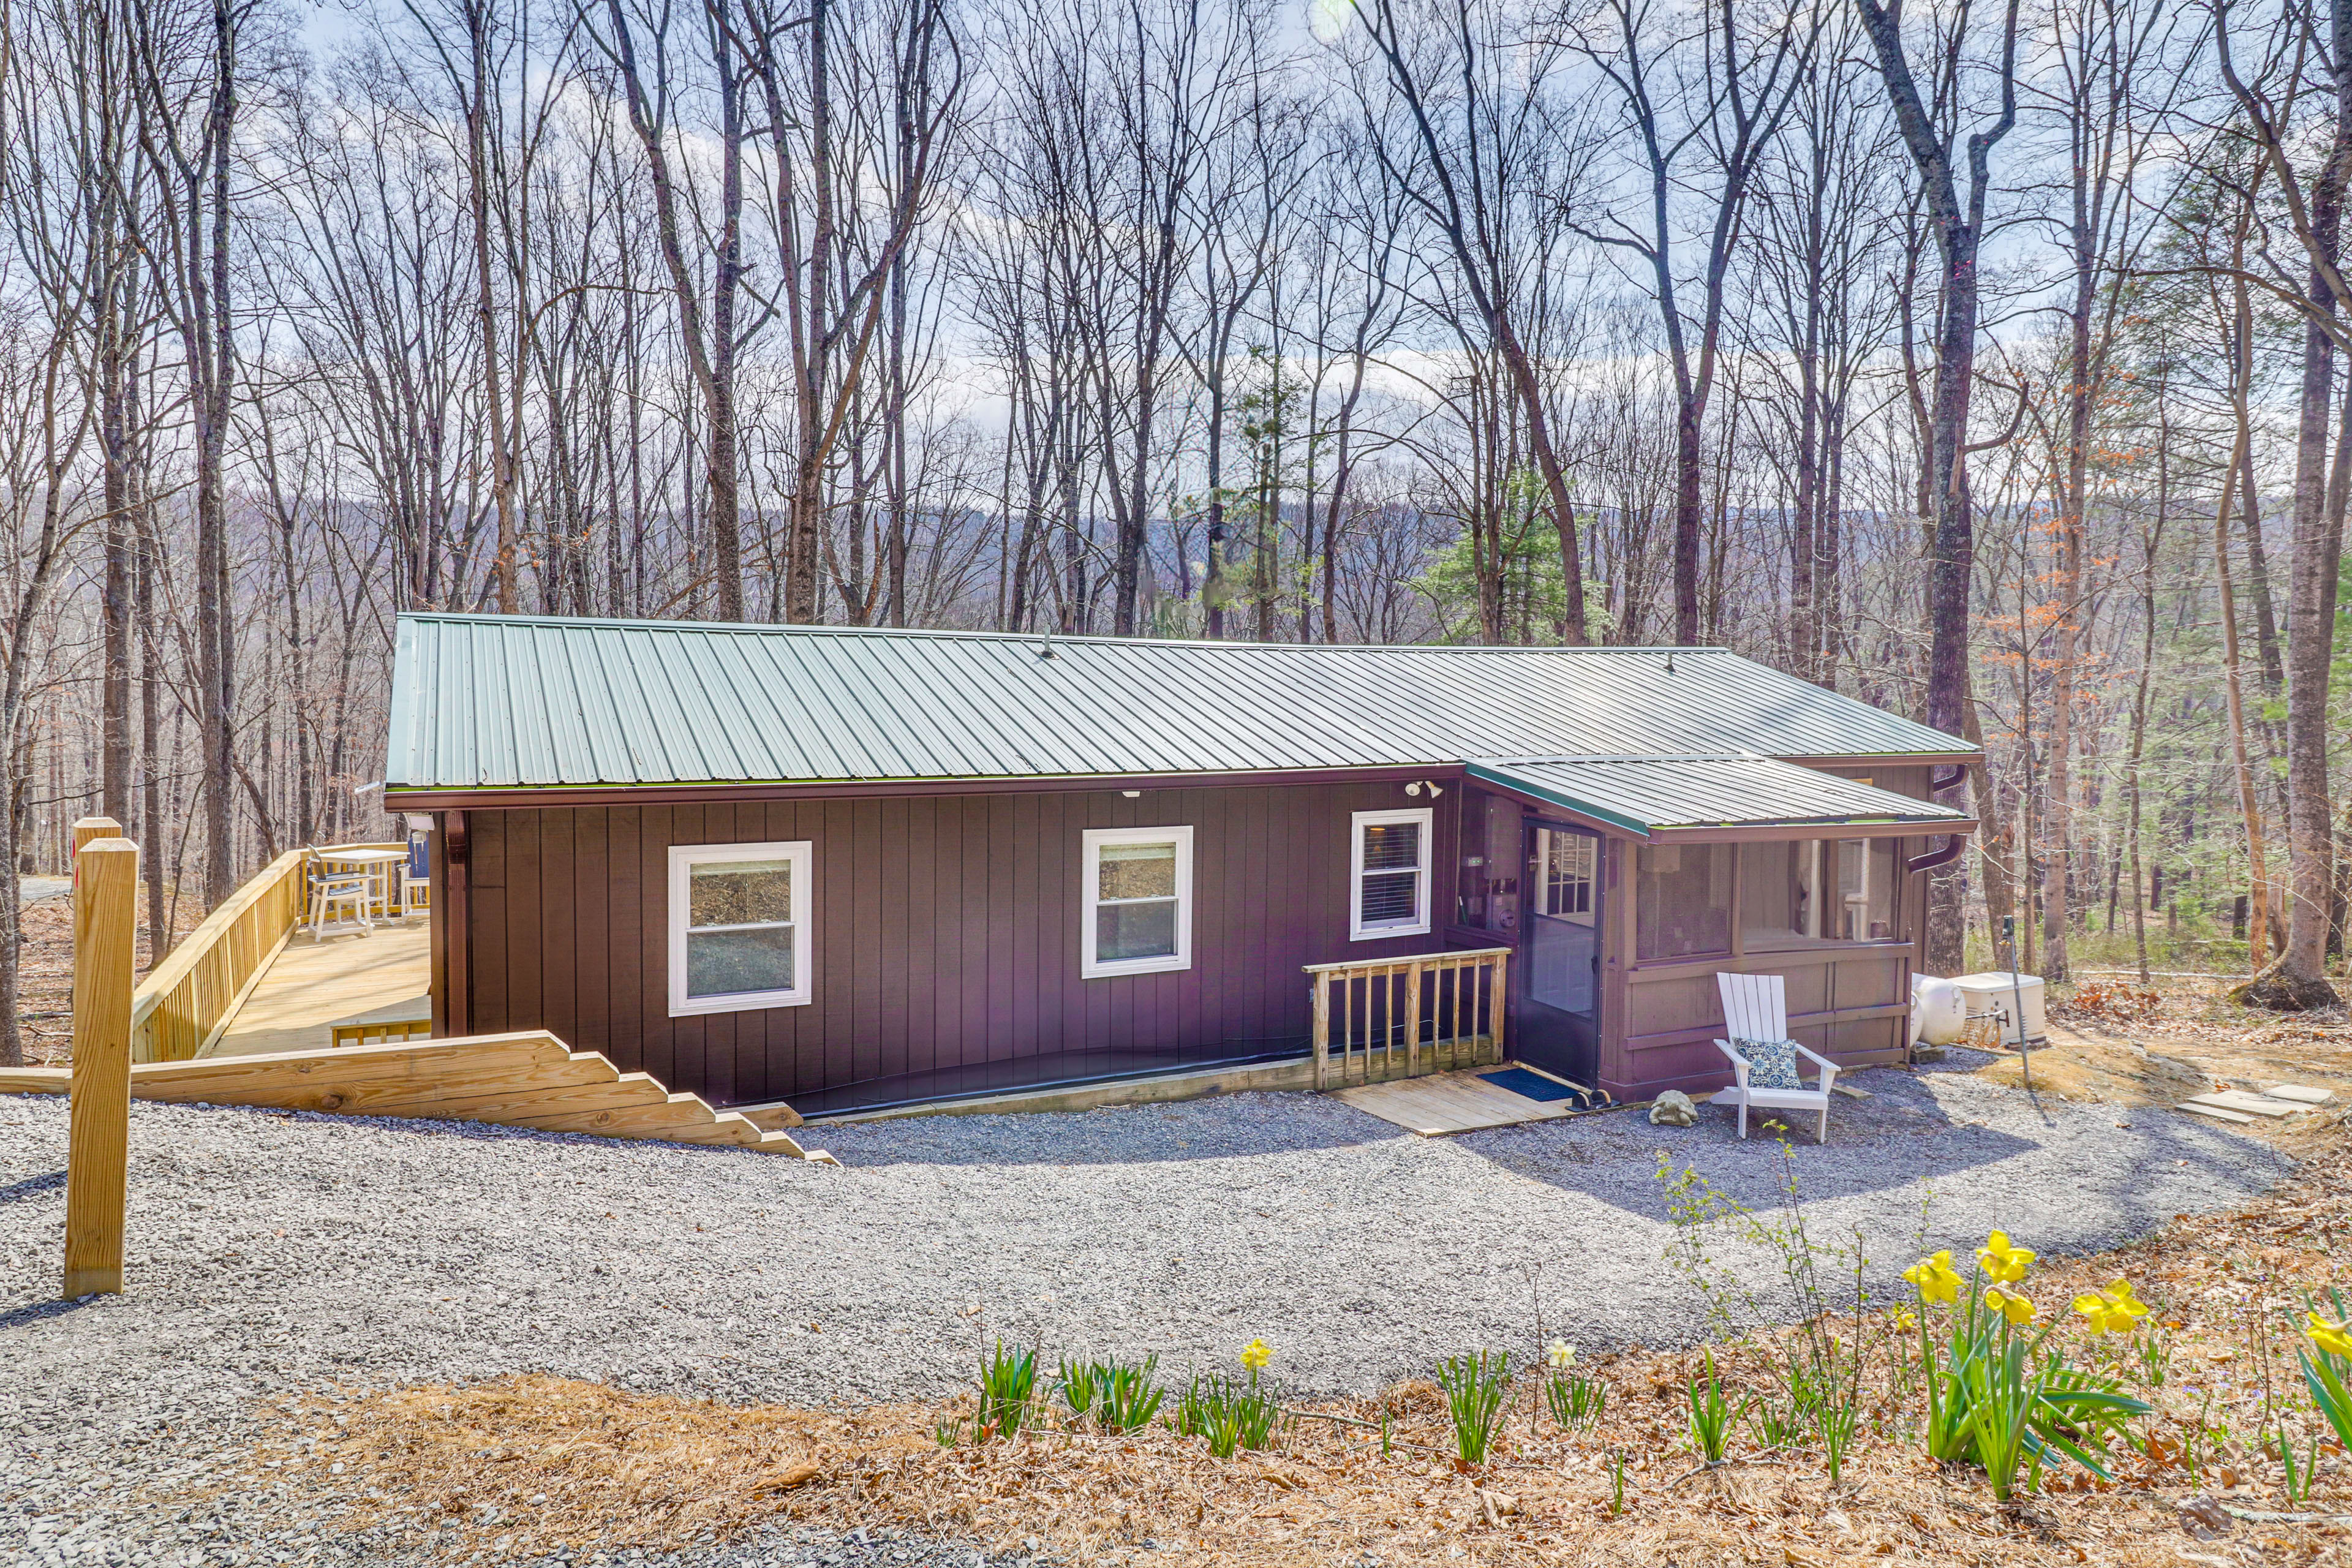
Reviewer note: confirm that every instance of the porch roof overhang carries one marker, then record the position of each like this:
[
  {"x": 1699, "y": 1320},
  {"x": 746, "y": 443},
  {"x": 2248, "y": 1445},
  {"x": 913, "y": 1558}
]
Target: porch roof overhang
[{"x": 1719, "y": 796}]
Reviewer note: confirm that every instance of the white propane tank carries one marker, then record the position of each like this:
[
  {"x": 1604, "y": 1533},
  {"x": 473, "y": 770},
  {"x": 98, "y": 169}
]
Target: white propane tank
[
  {"x": 1939, "y": 1011},
  {"x": 1999, "y": 990}
]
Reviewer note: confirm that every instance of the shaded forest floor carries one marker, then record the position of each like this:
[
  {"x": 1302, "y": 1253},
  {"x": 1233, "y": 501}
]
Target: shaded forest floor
[{"x": 47, "y": 976}]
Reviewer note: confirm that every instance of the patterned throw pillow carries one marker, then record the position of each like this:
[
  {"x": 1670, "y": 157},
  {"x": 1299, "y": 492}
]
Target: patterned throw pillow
[{"x": 1771, "y": 1064}]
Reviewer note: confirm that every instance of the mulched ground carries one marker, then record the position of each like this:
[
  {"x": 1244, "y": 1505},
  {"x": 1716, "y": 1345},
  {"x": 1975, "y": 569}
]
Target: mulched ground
[{"x": 520, "y": 1466}]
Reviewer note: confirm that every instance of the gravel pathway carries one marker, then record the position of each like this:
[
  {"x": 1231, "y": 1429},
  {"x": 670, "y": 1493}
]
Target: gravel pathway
[{"x": 271, "y": 1252}]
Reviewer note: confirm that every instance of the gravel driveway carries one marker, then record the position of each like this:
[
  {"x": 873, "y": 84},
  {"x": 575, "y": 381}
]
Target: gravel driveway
[{"x": 269, "y": 1252}]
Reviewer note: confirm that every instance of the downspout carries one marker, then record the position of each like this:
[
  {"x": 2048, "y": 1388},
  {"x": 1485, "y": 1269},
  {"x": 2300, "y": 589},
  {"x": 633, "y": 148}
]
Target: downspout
[
  {"x": 1953, "y": 844},
  {"x": 1939, "y": 781}
]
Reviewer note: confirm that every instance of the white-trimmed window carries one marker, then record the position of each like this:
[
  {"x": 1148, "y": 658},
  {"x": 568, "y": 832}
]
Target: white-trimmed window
[
  {"x": 1388, "y": 874},
  {"x": 1138, "y": 901},
  {"x": 739, "y": 927}
]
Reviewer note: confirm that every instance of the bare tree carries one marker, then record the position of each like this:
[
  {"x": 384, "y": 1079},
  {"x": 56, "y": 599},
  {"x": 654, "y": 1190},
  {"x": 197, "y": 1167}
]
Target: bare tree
[
  {"x": 1703, "y": 104},
  {"x": 1957, "y": 221},
  {"x": 2306, "y": 35},
  {"x": 1475, "y": 103}
]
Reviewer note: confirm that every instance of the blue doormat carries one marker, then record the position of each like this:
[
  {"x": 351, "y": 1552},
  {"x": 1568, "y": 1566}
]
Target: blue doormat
[{"x": 1532, "y": 1085}]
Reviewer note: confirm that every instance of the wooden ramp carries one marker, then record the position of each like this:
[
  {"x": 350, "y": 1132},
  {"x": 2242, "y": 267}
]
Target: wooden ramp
[
  {"x": 309, "y": 989},
  {"x": 1451, "y": 1102},
  {"x": 528, "y": 1080}
]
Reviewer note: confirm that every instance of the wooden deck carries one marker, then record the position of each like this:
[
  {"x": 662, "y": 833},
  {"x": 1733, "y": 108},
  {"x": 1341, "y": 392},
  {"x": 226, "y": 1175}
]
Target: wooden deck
[
  {"x": 350, "y": 978},
  {"x": 1446, "y": 1103}
]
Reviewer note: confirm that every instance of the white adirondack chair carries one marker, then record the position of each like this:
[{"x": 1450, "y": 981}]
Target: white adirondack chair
[{"x": 1756, "y": 1008}]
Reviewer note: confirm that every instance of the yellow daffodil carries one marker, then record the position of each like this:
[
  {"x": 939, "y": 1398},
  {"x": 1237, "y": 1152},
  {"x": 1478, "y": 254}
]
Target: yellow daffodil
[
  {"x": 1935, "y": 1277},
  {"x": 2114, "y": 1311},
  {"x": 1255, "y": 1354},
  {"x": 1906, "y": 1319},
  {"x": 2016, "y": 1309},
  {"x": 2335, "y": 1339},
  {"x": 1562, "y": 1352},
  {"x": 2003, "y": 1264}
]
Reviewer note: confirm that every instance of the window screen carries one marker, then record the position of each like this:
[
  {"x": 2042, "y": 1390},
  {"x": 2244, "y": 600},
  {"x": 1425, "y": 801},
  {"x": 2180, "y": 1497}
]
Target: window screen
[
  {"x": 1682, "y": 894},
  {"x": 739, "y": 931},
  {"x": 1391, "y": 873},
  {"x": 1135, "y": 901}
]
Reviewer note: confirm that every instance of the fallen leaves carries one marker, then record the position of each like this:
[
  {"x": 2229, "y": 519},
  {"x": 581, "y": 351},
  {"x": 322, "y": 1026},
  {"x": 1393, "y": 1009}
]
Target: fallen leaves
[{"x": 798, "y": 1476}]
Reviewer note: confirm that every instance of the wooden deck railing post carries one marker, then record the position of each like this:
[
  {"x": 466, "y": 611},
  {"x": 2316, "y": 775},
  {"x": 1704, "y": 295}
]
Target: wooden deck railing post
[
  {"x": 1352, "y": 1018},
  {"x": 1412, "y": 1021},
  {"x": 106, "y": 902},
  {"x": 1319, "y": 994},
  {"x": 87, "y": 829},
  {"x": 1497, "y": 1001}
]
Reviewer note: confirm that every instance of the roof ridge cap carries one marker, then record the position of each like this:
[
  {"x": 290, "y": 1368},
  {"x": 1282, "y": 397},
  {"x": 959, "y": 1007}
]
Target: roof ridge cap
[
  {"x": 479, "y": 617},
  {"x": 1725, "y": 756}
]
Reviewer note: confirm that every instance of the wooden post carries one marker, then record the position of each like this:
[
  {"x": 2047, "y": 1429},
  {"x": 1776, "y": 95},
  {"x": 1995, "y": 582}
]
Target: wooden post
[
  {"x": 106, "y": 902},
  {"x": 88, "y": 828},
  {"x": 1321, "y": 997},
  {"x": 1499, "y": 995},
  {"x": 1412, "y": 1020}
]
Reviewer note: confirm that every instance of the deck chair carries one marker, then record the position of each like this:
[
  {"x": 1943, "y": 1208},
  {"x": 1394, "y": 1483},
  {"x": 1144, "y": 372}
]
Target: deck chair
[
  {"x": 335, "y": 889},
  {"x": 1756, "y": 1008}
]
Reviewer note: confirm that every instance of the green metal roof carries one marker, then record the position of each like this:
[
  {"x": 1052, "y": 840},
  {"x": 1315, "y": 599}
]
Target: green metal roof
[
  {"x": 506, "y": 702},
  {"x": 1646, "y": 794}
]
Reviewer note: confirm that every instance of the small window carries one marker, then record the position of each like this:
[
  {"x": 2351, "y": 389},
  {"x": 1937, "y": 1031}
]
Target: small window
[
  {"x": 1389, "y": 875},
  {"x": 739, "y": 929},
  {"x": 1138, "y": 901},
  {"x": 1565, "y": 860}
]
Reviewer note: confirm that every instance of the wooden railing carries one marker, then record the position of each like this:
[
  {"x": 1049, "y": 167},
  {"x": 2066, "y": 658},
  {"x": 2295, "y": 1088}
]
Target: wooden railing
[
  {"x": 186, "y": 1000},
  {"x": 387, "y": 1032},
  {"x": 1401, "y": 1018}
]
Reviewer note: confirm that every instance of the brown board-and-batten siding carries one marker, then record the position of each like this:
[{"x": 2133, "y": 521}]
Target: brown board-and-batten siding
[{"x": 945, "y": 941}]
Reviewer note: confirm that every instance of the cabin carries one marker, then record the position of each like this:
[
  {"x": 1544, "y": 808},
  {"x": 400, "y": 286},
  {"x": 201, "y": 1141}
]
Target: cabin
[{"x": 846, "y": 869}]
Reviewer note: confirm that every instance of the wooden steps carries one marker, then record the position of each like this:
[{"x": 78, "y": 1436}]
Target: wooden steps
[{"x": 528, "y": 1080}]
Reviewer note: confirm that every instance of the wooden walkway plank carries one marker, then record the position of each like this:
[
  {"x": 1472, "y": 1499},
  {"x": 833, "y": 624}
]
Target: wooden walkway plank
[
  {"x": 2255, "y": 1104},
  {"x": 309, "y": 988},
  {"x": 1446, "y": 1103},
  {"x": 2217, "y": 1112}
]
